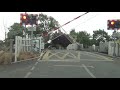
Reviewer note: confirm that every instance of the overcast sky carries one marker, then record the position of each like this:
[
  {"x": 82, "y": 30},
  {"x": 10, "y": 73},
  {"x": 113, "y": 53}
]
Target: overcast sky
[{"x": 89, "y": 22}]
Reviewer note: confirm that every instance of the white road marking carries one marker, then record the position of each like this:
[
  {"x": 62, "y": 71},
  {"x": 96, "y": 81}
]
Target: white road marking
[
  {"x": 90, "y": 73},
  {"x": 38, "y": 59},
  {"x": 76, "y": 60},
  {"x": 73, "y": 66},
  {"x": 57, "y": 56},
  {"x": 33, "y": 68},
  {"x": 65, "y": 55},
  {"x": 95, "y": 60},
  {"x": 73, "y": 55},
  {"x": 27, "y": 75},
  {"x": 60, "y": 61},
  {"x": 79, "y": 55},
  {"x": 40, "y": 56},
  {"x": 98, "y": 56},
  {"x": 46, "y": 55},
  {"x": 36, "y": 63},
  {"x": 53, "y": 54}
]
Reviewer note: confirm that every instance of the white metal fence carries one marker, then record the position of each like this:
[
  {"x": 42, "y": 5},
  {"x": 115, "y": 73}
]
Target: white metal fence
[
  {"x": 111, "y": 48},
  {"x": 103, "y": 47},
  {"x": 26, "y": 45}
]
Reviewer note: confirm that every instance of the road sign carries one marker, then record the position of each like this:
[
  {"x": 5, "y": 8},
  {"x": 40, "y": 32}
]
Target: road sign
[{"x": 31, "y": 28}]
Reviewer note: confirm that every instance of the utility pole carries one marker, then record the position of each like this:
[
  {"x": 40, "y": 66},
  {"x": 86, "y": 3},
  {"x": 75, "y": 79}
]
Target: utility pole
[
  {"x": 25, "y": 31},
  {"x": 114, "y": 25},
  {"x": 114, "y": 54},
  {"x": 25, "y": 26}
]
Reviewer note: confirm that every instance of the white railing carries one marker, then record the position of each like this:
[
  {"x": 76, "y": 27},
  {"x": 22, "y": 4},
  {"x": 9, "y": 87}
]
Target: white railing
[{"x": 23, "y": 44}]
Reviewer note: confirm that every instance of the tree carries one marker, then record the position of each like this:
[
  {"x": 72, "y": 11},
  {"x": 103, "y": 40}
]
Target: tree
[
  {"x": 81, "y": 37},
  {"x": 73, "y": 33},
  {"x": 84, "y": 38},
  {"x": 47, "y": 23},
  {"x": 1, "y": 44},
  {"x": 100, "y": 35},
  {"x": 115, "y": 35},
  {"x": 15, "y": 30}
]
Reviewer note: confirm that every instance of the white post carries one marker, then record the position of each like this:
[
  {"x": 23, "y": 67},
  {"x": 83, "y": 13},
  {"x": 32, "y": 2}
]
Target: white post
[
  {"x": 40, "y": 44},
  {"x": 23, "y": 44},
  {"x": 15, "y": 48},
  {"x": 20, "y": 44}
]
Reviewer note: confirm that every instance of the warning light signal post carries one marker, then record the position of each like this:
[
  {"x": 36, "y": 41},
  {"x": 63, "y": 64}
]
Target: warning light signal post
[{"x": 113, "y": 24}]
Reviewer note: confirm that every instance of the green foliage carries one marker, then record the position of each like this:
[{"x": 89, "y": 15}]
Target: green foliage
[
  {"x": 47, "y": 23},
  {"x": 1, "y": 44},
  {"x": 15, "y": 30},
  {"x": 82, "y": 37},
  {"x": 73, "y": 33},
  {"x": 100, "y": 35}
]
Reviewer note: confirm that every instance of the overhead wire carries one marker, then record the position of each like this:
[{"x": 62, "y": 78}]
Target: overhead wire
[
  {"x": 68, "y": 23},
  {"x": 86, "y": 20}
]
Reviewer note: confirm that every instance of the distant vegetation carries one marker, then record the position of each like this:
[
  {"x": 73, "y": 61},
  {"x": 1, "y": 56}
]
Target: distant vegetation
[{"x": 87, "y": 40}]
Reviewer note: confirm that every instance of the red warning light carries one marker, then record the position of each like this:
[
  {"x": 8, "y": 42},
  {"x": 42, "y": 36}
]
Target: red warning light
[
  {"x": 24, "y": 17},
  {"x": 112, "y": 22}
]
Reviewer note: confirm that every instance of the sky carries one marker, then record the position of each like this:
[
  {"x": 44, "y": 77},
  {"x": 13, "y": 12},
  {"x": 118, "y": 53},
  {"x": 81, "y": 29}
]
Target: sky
[{"x": 89, "y": 22}]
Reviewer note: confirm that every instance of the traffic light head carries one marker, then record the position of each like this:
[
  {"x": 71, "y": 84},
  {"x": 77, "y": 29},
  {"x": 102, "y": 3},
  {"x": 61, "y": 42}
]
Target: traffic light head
[
  {"x": 113, "y": 24},
  {"x": 29, "y": 19},
  {"x": 24, "y": 19},
  {"x": 33, "y": 19}
]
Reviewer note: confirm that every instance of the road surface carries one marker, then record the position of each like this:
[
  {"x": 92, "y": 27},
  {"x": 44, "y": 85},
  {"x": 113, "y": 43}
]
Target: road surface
[{"x": 64, "y": 64}]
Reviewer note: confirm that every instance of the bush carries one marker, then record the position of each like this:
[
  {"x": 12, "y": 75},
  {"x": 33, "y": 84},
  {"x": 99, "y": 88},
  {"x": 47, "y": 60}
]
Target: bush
[
  {"x": 5, "y": 58},
  {"x": 26, "y": 55}
]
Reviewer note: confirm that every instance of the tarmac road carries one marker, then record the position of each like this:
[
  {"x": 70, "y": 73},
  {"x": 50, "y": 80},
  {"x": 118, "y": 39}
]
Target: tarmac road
[{"x": 64, "y": 64}]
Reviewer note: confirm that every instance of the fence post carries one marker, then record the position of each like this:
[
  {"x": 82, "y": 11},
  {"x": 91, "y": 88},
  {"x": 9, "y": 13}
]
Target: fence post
[
  {"x": 11, "y": 48},
  {"x": 40, "y": 44},
  {"x": 16, "y": 49}
]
